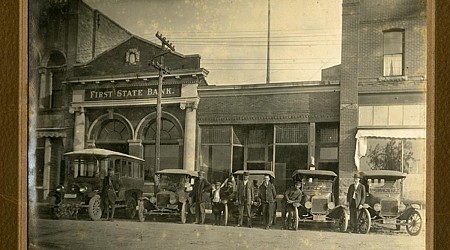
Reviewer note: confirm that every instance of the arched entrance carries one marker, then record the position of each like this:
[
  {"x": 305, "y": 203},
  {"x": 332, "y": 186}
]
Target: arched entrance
[
  {"x": 171, "y": 146},
  {"x": 113, "y": 135}
]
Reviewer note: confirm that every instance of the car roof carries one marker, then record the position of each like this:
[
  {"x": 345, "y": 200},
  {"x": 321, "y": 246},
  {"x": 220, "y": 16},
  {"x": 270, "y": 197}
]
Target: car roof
[
  {"x": 100, "y": 152},
  {"x": 382, "y": 174},
  {"x": 324, "y": 173},
  {"x": 255, "y": 172},
  {"x": 178, "y": 171}
]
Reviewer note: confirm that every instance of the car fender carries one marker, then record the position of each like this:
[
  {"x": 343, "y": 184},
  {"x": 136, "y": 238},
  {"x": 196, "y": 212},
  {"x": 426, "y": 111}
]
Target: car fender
[
  {"x": 93, "y": 193},
  {"x": 336, "y": 211},
  {"x": 408, "y": 211}
]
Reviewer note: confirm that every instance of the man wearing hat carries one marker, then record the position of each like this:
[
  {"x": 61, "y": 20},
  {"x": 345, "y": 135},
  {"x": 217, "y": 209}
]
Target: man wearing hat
[
  {"x": 356, "y": 196},
  {"x": 111, "y": 184},
  {"x": 244, "y": 199},
  {"x": 200, "y": 196}
]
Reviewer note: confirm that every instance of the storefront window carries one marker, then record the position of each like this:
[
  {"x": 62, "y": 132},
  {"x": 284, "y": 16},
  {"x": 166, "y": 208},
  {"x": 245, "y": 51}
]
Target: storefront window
[{"x": 216, "y": 161}]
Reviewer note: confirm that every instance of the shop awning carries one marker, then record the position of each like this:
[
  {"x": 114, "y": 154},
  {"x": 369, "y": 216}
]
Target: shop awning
[{"x": 363, "y": 134}]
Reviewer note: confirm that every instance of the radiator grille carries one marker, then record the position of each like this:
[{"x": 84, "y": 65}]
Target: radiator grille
[
  {"x": 389, "y": 207},
  {"x": 319, "y": 205},
  {"x": 162, "y": 200}
]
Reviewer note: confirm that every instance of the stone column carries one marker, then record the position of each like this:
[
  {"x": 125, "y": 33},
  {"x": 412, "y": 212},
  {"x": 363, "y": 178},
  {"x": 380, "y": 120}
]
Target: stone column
[
  {"x": 80, "y": 130},
  {"x": 190, "y": 128},
  {"x": 47, "y": 167}
]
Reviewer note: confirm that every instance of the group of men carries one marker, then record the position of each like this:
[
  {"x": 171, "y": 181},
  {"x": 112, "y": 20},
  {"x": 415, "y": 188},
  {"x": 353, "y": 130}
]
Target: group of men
[{"x": 242, "y": 194}]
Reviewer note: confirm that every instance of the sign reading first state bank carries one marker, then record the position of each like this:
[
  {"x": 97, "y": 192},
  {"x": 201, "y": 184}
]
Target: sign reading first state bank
[{"x": 137, "y": 92}]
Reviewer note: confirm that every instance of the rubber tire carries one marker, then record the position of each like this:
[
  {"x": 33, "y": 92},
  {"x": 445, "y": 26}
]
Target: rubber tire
[
  {"x": 183, "y": 213},
  {"x": 95, "y": 208},
  {"x": 225, "y": 214},
  {"x": 141, "y": 210},
  {"x": 414, "y": 218},
  {"x": 343, "y": 221},
  {"x": 364, "y": 217},
  {"x": 296, "y": 220},
  {"x": 130, "y": 209}
]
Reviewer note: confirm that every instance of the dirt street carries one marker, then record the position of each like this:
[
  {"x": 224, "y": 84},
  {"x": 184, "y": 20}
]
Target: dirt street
[{"x": 164, "y": 233}]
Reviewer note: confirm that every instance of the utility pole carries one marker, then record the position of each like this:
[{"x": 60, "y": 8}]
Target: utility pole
[
  {"x": 268, "y": 43},
  {"x": 166, "y": 47}
]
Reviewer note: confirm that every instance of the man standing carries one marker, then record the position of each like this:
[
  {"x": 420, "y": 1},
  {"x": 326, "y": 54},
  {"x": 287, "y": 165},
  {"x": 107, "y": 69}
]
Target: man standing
[
  {"x": 110, "y": 185},
  {"x": 199, "y": 196},
  {"x": 292, "y": 195},
  {"x": 244, "y": 199},
  {"x": 355, "y": 198},
  {"x": 267, "y": 194}
]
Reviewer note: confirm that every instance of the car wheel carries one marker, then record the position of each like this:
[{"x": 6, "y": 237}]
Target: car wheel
[
  {"x": 95, "y": 209},
  {"x": 141, "y": 210},
  {"x": 296, "y": 220},
  {"x": 130, "y": 209},
  {"x": 364, "y": 221},
  {"x": 414, "y": 223},
  {"x": 343, "y": 221},
  {"x": 225, "y": 214},
  {"x": 183, "y": 213}
]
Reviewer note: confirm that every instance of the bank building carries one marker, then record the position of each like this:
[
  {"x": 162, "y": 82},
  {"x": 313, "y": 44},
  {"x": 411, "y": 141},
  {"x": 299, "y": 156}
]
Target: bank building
[{"x": 92, "y": 86}]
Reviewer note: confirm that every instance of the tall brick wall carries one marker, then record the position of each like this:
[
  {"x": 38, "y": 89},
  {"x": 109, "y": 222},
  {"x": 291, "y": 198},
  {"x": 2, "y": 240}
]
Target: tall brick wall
[
  {"x": 378, "y": 16},
  {"x": 349, "y": 88},
  {"x": 96, "y": 28}
]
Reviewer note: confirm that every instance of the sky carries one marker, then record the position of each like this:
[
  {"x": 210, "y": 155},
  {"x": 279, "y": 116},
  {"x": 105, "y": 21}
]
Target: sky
[{"x": 231, "y": 35}]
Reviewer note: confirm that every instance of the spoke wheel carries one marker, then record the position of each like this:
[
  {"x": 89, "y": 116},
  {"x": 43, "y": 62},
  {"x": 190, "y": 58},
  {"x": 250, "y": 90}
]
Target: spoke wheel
[
  {"x": 343, "y": 221},
  {"x": 364, "y": 221},
  {"x": 183, "y": 213},
  {"x": 296, "y": 220},
  {"x": 130, "y": 210},
  {"x": 414, "y": 223},
  {"x": 225, "y": 214},
  {"x": 141, "y": 210},
  {"x": 95, "y": 210}
]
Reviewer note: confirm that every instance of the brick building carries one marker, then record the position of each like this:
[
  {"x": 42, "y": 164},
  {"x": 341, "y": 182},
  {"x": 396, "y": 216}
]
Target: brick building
[
  {"x": 383, "y": 84},
  {"x": 93, "y": 88}
]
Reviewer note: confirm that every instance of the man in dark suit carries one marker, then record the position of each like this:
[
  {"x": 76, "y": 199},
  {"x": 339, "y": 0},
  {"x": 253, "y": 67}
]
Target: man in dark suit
[
  {"x": 267, "y": 194},
  {"x": 244, "y": 199},
  {"x": 200, "y": 196},
  {"x": 356, "y": 196},
  {"x": 111, "y": 185}
]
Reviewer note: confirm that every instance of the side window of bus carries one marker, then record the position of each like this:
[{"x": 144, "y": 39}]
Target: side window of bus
[
  {"x": 104, "y": 165},
  {"x": 117, "y": 167},
  {"x": 136, "y": 170},
  {"x": 130, "y": 169},
  {"x": 124, "y": 169}
]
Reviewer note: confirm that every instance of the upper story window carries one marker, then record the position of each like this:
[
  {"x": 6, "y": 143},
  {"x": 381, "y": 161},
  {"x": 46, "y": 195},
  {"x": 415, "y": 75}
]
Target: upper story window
[{"x": 393, "y": 52}]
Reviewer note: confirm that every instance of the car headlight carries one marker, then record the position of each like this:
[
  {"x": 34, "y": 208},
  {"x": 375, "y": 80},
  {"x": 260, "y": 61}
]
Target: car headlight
[
  {"x": 377, "y": 207},
  {"x": 401, "y": 207},
  {"x": 308, "y": 204},
  {"x": 83, "y": 189},
  {"x": 330, "y": 205},
  {"x": 153, "y": 199},
  {"x": 59, "y": 188},
  {"x": 172, "y": 200}
]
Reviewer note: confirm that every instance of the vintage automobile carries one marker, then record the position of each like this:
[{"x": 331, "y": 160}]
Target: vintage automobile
[
  {"x": 318, "y": 204},
  {"x": 84, "y": 179},
  {"x": 171, "y": 195},
  {"x": 384, "y": 202},
  {"x": 256, "y": 178}
]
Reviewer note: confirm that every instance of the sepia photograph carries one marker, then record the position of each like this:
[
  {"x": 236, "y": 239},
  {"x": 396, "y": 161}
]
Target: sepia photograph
[{"x": 229, "y": 124}]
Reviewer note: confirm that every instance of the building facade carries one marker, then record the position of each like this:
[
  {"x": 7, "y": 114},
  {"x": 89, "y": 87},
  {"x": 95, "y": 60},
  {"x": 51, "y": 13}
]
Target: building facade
[{"x": 93, "y": 87}]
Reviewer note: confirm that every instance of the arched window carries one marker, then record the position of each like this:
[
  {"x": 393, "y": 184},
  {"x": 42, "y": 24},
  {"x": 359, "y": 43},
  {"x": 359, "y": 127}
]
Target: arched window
[
  {"x": 114, "y": 135},
  {"x": 51, "y": 87},
  {"x": 171, "y": 153}
]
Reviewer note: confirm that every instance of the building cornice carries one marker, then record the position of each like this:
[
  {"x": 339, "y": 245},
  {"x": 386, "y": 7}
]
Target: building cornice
[{"x": 268, "y": 89}]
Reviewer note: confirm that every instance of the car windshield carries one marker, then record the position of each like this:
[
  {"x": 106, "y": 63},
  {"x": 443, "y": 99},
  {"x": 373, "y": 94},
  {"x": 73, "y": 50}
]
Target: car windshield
[
  {"x": 384, "y": 186},
  {"x": 172, "y": 181},
  {"x": 317, "y": 185},
  {"x": 89, "y": 167}
]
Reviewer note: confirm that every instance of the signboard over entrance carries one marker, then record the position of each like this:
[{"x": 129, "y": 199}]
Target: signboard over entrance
[{"x": 137, "y": 92}]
